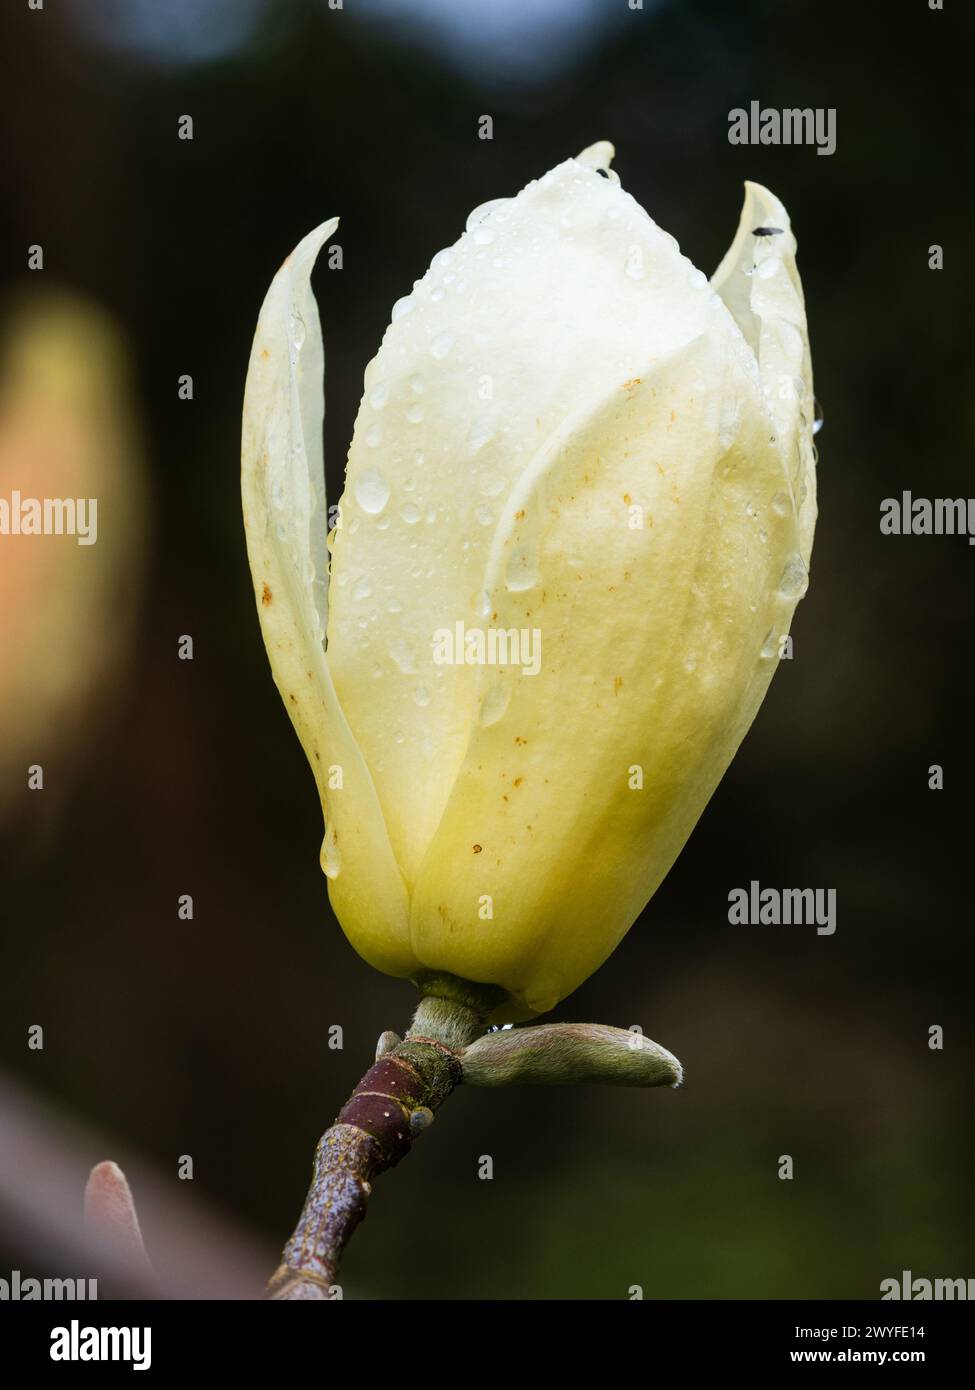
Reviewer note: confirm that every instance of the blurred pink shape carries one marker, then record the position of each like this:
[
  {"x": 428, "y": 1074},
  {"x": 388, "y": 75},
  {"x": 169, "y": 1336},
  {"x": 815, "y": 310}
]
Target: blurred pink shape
[
  {"x": 110, "y": 1217},
  {"x": 45, "y": 1158}
]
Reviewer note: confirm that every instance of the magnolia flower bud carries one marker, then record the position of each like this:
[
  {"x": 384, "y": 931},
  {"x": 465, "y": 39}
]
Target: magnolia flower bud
[{"x": 578, "y": 512}]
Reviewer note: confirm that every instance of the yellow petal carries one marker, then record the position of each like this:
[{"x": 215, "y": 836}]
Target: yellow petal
[
  {"x": 759, "y": 281},
  {"x": 654, "y": 657},
  {"x": 283, "y": 492}
]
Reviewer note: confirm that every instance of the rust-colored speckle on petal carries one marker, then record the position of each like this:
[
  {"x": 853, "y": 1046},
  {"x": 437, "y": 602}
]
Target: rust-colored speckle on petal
[{"x": 266, "y": 596}]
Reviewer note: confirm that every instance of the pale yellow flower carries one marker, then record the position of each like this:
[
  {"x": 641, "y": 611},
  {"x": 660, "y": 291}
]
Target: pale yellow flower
[{"x": 571, "y": 435}]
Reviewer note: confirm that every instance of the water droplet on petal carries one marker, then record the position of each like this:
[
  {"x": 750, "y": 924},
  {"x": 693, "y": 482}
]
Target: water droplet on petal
[
  {"x": 795, "y": 578},
  {"x": 402, "y": 307},
  {"x": 767, "y": 268},
  {"x": 331, "y": 862},
  {"x": 481, "y": 433},
  {"x": 362, "y": 588},
  {"x": 416, "y": 383},
  {"x": 379, "y": 395},
  {"x": 729, "y": 421},
  {"x": 634, "y": 263},
  {"x": 442, "y": 344},
  {"x": 374, "y": 436},
  {"x": 781, "y": 504},
  {"x": 485, "y": 210},
  {"x": 371, "y": 491},
  {"x": 522, "y": 570},
  {"x": 410, "y": 513},
  {"x": 495, "y": 702},
  {"x": 770, "y": 647},
  {"x": 421, "y": 696},
  {"x": 402, "y": 653},
  {"x": 491, "y": 482},
  {"x": 415, "y": 414}
]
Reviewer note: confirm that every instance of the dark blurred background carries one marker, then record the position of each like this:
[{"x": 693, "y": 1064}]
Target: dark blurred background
[{"x": 210, "y": 1037}]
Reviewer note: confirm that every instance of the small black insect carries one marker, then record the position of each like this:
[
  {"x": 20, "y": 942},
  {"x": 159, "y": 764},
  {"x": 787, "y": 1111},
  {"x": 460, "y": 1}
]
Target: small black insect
[
  {"x": 768, "y": 231},
  {"x": 603, "y": 172}
]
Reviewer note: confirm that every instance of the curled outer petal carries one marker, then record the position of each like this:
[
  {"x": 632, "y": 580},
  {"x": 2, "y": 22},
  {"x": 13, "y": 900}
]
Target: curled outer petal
[{"x": 283, "y": 493}]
